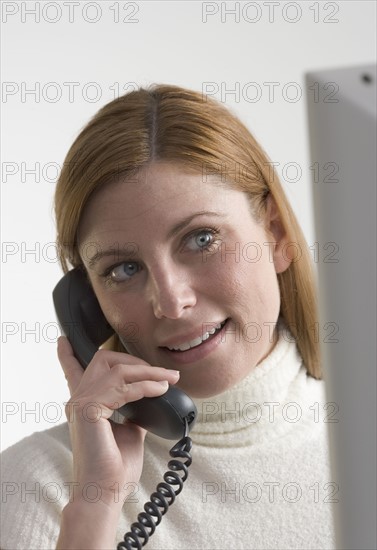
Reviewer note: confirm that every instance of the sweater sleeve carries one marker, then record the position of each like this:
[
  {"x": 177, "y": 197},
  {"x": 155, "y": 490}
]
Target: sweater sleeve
[{"x": 36, "y": 484}]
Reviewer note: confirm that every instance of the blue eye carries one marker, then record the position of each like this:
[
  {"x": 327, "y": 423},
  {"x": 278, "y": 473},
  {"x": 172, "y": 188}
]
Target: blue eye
[
  {"x": 124, "y": 271},
  {"x": 203, "y": 239}
]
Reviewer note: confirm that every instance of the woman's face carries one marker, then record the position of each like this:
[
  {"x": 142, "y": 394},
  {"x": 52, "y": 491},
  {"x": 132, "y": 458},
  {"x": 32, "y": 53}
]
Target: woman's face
[{"x": 171, "y": 259}]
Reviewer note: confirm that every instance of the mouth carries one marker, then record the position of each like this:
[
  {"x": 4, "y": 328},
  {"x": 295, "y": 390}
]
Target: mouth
[
  {"x": 198, "y": 341},
  {"x": 198, "y": 348}
]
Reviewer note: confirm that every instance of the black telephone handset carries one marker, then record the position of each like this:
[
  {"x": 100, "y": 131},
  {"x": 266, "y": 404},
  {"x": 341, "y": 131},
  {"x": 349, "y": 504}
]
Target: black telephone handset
[
  {"x": 83, "y": 322},
  {"x": 171, "y": 415}
]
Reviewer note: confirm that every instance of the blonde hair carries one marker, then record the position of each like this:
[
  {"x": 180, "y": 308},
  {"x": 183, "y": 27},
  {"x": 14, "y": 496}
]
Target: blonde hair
[{"x": 173, "y": 124}]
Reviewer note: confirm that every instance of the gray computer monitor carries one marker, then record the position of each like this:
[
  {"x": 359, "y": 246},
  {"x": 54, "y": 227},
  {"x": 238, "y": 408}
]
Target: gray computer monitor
[{"x": 341, "y": 106}]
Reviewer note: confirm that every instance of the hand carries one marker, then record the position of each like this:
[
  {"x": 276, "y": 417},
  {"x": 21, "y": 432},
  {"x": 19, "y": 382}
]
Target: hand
[{"x": 105, "y": 453}]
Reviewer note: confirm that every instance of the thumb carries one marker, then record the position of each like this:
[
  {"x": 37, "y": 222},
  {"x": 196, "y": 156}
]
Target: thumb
[{"x": 73, "y": 371}]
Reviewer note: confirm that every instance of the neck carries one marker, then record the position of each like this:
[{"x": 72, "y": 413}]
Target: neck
[{"x": 243, "y": 414}]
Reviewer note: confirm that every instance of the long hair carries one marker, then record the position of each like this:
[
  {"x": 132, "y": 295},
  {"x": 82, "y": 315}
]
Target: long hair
[{"x": 177, "y": 125}]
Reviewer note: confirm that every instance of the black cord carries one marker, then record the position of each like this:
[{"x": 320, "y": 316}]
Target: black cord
[{"x": 162, "y": 498}]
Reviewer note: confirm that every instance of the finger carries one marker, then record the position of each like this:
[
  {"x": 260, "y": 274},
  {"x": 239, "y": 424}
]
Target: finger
[
  {"x": 108, "y": 358},
  {"x": 146, "y": 388},
  {"x": 72, "y": 369},
  {"x": 103, "y": 360},
  {"x": 115, "y": 396},
  {"x": 137, "y": 373}
]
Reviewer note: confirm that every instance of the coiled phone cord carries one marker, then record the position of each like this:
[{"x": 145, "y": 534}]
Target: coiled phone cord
[{"x": 162, "y": 498}]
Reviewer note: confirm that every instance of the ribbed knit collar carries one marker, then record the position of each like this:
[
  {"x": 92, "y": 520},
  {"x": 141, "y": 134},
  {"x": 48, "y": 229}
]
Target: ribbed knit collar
[{"x": 262, "y": 406}]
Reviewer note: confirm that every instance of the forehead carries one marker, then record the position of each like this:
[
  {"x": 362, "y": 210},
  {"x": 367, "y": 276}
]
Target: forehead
[{"x": 158, "y": 195}]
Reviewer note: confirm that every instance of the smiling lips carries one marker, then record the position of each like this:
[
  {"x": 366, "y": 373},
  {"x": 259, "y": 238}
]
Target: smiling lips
[{"x": 197, "y": 341}]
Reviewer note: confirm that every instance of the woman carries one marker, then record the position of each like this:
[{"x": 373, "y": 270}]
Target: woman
[{"x": 170, "y": 206}]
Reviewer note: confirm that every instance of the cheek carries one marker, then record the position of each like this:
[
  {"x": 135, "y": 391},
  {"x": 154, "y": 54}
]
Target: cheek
[
  {"x": 124, "y": 315},
  {"x": 250, "y": 286},
  {"x": 132, "y": 325}
]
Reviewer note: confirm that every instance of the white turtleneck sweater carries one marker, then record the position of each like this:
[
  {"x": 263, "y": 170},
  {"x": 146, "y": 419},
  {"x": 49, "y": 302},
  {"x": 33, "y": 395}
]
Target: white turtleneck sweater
[{"x": 259, "y": 479}]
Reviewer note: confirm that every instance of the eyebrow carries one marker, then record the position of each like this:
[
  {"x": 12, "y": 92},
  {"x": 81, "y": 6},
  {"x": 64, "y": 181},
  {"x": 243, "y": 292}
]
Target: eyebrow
[
  {"x": 114, "y": 252},
  {"x": 186, "y": 221},
  {"x": 175, "y": 229}
]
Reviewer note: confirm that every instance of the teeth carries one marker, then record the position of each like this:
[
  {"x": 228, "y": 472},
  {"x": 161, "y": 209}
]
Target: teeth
[{"x": 197, "y": 341}]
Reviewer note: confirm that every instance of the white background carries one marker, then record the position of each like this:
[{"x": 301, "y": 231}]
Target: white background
[{"x": 107, "y": 48}]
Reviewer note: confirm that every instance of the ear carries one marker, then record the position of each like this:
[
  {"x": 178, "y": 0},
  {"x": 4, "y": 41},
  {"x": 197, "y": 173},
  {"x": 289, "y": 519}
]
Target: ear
[{"x": 281, "y": 251}]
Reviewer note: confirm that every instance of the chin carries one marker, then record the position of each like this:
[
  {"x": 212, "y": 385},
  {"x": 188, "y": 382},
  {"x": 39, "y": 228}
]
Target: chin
[{"x": 203, "y": 389}]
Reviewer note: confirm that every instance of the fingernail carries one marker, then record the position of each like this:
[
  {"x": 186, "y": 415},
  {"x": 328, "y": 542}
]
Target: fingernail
[
  {"x": 164, "y": 383},
  {"x": 176, "y": 373}
]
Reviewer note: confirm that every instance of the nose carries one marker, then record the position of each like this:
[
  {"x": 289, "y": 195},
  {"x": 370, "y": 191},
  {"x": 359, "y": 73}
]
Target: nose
[{"x": 170, "y": 291}]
